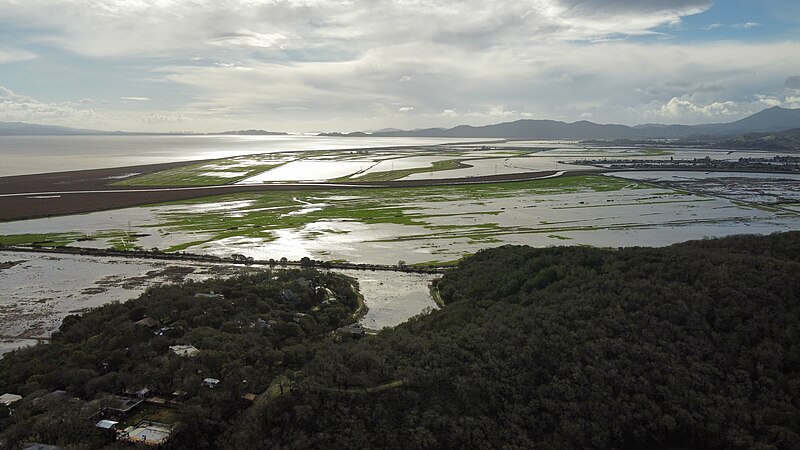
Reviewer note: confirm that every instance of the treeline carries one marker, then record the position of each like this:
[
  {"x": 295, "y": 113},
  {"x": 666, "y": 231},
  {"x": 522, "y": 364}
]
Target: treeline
[
  {"x": 788, "y": 141},
  {"x": 249, "y": 330},
  {"x": 691, "y": 346}
]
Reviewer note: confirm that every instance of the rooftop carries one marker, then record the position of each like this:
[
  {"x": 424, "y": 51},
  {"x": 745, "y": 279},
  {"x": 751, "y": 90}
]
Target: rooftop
[
  {"x": 7, "y": 399},
  {"x": 184, "y": 350}
]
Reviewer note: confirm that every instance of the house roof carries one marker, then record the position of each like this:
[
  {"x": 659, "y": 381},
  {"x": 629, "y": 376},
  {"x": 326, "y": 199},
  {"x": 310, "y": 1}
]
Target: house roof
[
  {"x": 148, "y": 322},
  {"x": 119, "y": 403},
  {"x": 7, "y": 399},
  {"x": 106, "y": 424},
  {"x": 184, "y": 350}
]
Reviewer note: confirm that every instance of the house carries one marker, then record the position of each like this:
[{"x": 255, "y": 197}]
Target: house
[
  {"x": 184, "y": 350},
  {"x": 148, "y": 322},
  {"x": 211, "y": 294},
  {"x": 143, "y": 393},
  {"x": 118, "y": 407},
  {"x": 8, "y": 399},
  {"x": 107, "y": 425},
  {"x": 211, "y": 382}
]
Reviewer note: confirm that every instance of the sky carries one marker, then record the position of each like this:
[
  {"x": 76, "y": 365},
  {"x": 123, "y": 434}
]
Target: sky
[{"x": 346, "y": 65}]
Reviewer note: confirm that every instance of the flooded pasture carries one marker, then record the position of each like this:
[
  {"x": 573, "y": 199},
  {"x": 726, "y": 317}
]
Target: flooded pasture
[{"x": 410, "y": 225}]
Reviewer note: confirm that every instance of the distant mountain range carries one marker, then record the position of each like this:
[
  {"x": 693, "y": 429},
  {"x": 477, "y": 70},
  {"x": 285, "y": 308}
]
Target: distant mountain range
[
  {"x": 28, "y": 129},
  {"x": 767, "y": 121}
]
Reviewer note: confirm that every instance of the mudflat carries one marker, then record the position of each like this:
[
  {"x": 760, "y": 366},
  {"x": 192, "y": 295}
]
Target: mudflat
[{"x": 82, "y": 191}]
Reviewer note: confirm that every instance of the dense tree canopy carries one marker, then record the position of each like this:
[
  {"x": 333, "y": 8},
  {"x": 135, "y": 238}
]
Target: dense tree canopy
[
  {"x": 691, "y": 346},
  {"x": 249, "y": 330},
  {"x": 696, "y": 345}
]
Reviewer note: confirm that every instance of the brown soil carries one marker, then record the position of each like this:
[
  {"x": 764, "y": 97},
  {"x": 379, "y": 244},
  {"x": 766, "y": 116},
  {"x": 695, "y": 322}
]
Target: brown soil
[{"x": 55, "y": 194}]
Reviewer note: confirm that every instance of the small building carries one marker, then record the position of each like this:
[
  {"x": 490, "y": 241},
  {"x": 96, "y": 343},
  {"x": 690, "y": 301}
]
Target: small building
[
  {"x": 184, "y": 350},
  {"x": 211, "y": 294},
  {"x": 211, "y": 382},
  {"x": 8, "y": 399},
  {"x": 107, "y": 424},
  {"x": 142, "y": 393},
  {"x": 148, "y": 322},
  {"x": 117, "y": 407}
]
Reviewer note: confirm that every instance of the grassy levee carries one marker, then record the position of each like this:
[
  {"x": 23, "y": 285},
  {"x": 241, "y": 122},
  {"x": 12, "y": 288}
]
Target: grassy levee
[
  {"x": 194, "y": 175},
  {"x": 391, "y": 175}
]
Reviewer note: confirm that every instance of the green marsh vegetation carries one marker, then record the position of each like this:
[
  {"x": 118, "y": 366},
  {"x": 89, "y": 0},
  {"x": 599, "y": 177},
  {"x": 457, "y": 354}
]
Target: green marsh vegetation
[
  {"x": 259, "y": 215},
  {"x": 212, "y": 173}
]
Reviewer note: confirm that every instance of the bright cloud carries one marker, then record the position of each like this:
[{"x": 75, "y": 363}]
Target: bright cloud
[
  {"x": 682, "y": 107},
  {"x": 360, "y": 64},
  {"x": 164, "y": 27},
  {"x": 10, "y": 55},
  {"x": 14, "y": 107}
]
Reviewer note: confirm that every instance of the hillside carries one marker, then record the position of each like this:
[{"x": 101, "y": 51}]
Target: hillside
[
  {"x": 27, "y": 129},
  {"x": 788, "y": 140},
  {"x": 692, "y": 346},
  {"x": 772, "y": 119},
  {"x": 250, "y": 333},
  {"x": 689, "y": 346}
]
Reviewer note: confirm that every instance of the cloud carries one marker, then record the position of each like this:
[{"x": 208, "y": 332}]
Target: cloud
[
  {"x": 786, "y": 101},
  {"x": 500, "y": 111},
  {"x": 676, "y": 107},
  {"x": 248, "y": 39},
  {"x": 15, "y": 107},
  {"x": 158, "y": 118},
  {"x": 616, "y": 81},
  {"x": 317, "y": 29},
  {"x": 358, "y": 64},
  {"x": 11, "y": 55}
]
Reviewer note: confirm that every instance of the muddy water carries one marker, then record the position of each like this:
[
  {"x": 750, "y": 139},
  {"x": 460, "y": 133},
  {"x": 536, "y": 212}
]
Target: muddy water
[
  {"x": 42, "y": 289},
  {"x": 39, "y": 154}
]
